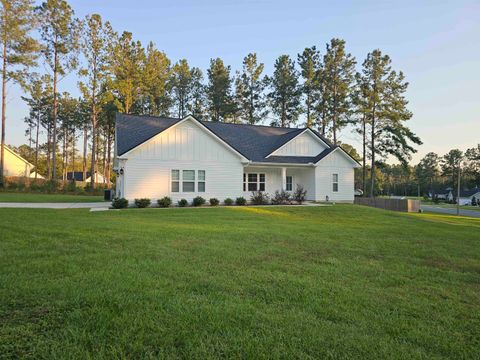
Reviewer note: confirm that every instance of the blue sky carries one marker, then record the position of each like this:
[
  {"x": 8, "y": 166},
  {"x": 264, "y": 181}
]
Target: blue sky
[{"x": 436, "y": 44}]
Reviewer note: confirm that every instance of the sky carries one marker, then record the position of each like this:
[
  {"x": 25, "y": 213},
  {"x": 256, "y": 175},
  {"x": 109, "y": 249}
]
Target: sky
[{"x": 435, "y": 43}]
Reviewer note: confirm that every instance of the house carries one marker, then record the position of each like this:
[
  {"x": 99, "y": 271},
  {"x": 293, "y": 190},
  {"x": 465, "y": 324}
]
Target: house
[
  {"x": 78, "y": 176},
  {"x": 185, "y": 158},
  {"x": 466, "y": 196},
  {"x": 15, "y": 165}
]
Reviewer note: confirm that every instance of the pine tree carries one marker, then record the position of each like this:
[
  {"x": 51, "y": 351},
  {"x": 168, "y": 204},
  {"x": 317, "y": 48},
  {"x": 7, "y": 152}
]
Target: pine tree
[
  {"x": 309, "y": 62},
  {"x": 96, "y": 37},
  {"x": 182, "y": 78},
  {"x": 127, "y": 59},
  {"x": 18, "y": 53},
  {"x": 249, "y": 89},
  {"x": 59, "y": 32},
  {"x": 156, "y": 82},
  {"x": 284, "y": 97},
  {"x": 385, "y": 109},
  {"x": 450, "y": 164},
  {"x": 338, "y": 70},
  {"x": 427, "y": 170},
  {"x": 219, "y": 90},
  {"x": 197, "y": 105}
]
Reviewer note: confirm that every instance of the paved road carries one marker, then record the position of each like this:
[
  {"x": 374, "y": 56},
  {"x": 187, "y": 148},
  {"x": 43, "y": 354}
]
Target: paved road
[
  {"x": 450, "y": 211},
  {"x": 86, "y": 205}
]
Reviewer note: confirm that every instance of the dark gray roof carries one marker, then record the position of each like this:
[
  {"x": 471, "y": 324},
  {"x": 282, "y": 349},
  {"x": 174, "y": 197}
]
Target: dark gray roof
[
  {"x": 468, "y": 193},
  {"x": 255, "y": 142}
]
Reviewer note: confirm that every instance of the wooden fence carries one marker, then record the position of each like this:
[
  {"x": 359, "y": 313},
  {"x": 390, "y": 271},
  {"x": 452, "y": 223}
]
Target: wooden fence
[
  {"x": 25, "y": 181},
  {"x": 405, "y": 205}
]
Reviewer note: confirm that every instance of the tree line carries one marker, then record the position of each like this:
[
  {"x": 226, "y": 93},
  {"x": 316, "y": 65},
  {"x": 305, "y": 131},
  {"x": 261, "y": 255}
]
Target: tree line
[{"x": 324, "y": 89}]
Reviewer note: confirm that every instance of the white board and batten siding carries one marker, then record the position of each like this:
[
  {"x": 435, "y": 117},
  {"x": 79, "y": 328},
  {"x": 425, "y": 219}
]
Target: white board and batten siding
[
  {"x": 187, "y": 146},
  {"x": 335, "y": 163},
  {"x": 305, "y": 144}
]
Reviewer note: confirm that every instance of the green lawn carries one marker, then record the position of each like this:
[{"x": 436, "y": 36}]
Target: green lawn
[
  {"x": 294, "y": 282},
  {"x": 51, "y": 198}
]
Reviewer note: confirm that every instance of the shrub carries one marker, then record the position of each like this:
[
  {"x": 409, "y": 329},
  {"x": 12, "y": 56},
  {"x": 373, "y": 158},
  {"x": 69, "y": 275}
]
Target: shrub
[
  {"x": 474, "y": 201},
  {"x": 164, "y": 202},
  {"x": 300, "y": 194},
  {"x": 182, "y": 202},
  {"x": 70, "y": 187},
  {"x": 241, "y": 201},
  {"x": 214, "y": 202},
  {"x": 228, "y": 202},
  {"x": 198, "y": 201},
  {"x": 142, "y": 203},
  {"x": 259, "y": 198},
  {"x": 281, "y": 198},
  {"x": 119, "y": 203}
]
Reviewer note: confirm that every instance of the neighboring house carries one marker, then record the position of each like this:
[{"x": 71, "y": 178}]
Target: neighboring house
[
  {"x": 185, "y": 158},
  {"x": 15, "y": 165},
  {"x": 446, "y": 194},
  {"x": 78, "y": 176},
  {"x": 466, "y": 196}
]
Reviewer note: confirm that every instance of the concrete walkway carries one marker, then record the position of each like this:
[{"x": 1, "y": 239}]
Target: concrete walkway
[
  {"x": 86, "y": 205},
  {"x": 450, "y": 211}
]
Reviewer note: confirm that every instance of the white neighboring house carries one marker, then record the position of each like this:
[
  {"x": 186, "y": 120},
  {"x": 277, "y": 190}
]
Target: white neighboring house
[
  {"x": 185, "y": 158},
  {"x": 15, "y": 165},
  {"x": 466, "y": 196},
  {"x": 78, "y": 176}
]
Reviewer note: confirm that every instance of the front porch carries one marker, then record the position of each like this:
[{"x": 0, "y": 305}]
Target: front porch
[{"x": 271, "y": 178}]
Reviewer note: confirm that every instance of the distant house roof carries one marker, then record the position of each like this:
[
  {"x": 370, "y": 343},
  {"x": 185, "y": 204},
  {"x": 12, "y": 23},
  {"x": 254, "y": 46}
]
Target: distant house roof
[
  {"x": 18, "y": 156},
  {"x": 77, "y": 175},
  {"x": 254, "y": 142},
  {"x": 468, "y": 193}
]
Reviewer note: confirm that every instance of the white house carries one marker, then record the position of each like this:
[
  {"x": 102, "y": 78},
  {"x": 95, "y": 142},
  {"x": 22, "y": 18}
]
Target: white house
[
  {"x": 185, "y": 158},
  {"x": 78, "y": 176},
  {"x": 15, "y": 165},
  {"x": 466, "y": 196}
]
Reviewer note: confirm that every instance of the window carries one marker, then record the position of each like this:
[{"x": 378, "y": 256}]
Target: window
[
  {"x": 253, "y": 182},
  {"x": 175, "y": 180},
  {"x": 201, "y": 181},
  {"x": 335, "y": 182},
  {"x": 289, "y": 183},
  {"x": 188, "y": 181}
]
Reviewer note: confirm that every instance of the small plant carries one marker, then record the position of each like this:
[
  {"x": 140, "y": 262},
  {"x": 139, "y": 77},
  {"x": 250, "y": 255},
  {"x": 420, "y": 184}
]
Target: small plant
[
  {"x": 228, "y": 202},
  {"x": 182, "y": 202},
  {"x": 281, "y": 198},
  {"x": 119, "y": 203},
  {"x": 164, "y": 202},
  {"x": 198, "y": 201},
  {"x": 300, "y": 194},
  {"x": 214, "y": 202},
  {"x": 259, "y": 198},
  {"x": 241, "y": 201},
  {"x": 142, "y": 203},
  {"x": 474, "y": 201}
]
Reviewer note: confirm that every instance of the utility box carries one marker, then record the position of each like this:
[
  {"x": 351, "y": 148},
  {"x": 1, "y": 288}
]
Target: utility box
[{"x": 108, "y": 194}]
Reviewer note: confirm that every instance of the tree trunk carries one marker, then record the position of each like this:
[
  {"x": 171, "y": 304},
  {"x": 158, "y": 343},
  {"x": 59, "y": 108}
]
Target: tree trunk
[
  {"x": 104, "y": 158},
  {"x": 36, "y": 147},
  {"x": 109, "y": 158},
  {"x": 372, "y": 146},
  {"x": 4, "y": 104},
  {"x": 364, "y": 162},
  {"x": 85, "y": 149},
  {"x": 55, "y": 105},
  {"x": 73, "y": 150}
]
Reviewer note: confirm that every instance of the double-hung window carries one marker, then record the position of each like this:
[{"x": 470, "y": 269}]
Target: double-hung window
[
  {"x": 335, "y": 182},
  {"x": 188, "y": 179},
  {"x": 253, "y": 182},
  {"x": 289, "y": 183},
  {"x": 201, "y": 181},
  {"x": 175, "y": 180}
]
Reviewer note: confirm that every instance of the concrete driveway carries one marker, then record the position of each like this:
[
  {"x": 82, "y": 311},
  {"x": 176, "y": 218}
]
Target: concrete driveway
[
  {"x": 450, "y": 211},
  {"x": 86, "y": 205}
]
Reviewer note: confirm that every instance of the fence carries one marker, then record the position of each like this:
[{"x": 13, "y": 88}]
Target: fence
[
  {"x": 405, "y": 205},
  {"x": 27, "y": 182}
]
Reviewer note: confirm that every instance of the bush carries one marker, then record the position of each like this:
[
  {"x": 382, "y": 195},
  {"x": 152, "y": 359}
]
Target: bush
[
  {"x": 474, "y": 201},
  {"x": 259, "y": 198},
  {"x": 182, "y": 202},
  {"x": 240, "y": 201},
  {"x": 119, "y": 203},
  {"x": 164, "y": 202},
  {"x": 228, "y": 202},
  {"x": 198, "y": 201},
  {"x": 281, "y": 198},
  {"x": 70, "y": 187},
  {"x": 214, "y": 202},
  {"x": 142, "y": 203},
  {"x": 300, "y": 194}
]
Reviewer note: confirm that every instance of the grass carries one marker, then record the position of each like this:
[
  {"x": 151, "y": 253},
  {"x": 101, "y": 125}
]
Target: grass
[
  {"x": 47, "y": 198},
  {"x": 293, "y": 282}
]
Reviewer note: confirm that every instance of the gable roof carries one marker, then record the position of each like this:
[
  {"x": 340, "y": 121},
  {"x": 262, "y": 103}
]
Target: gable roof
[
  {"x": 468, "y": 193},
  {"x": 254, "y": 142},
  {"x": 17, "y": 156}
]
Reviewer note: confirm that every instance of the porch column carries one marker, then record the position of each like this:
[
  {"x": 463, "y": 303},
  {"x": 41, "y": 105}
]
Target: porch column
[{"x": 284, "y": 178}]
